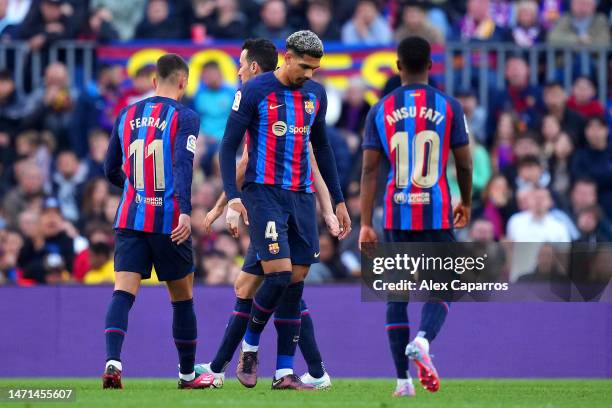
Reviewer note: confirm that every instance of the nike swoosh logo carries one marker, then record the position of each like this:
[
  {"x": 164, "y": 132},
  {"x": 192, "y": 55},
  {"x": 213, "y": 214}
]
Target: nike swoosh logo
[
  {"x": 277, "y": 382},
  {"x": 316, "y": 255},
  {"x": 272, "y": 107},
  {"x": 257, "y": 321}
]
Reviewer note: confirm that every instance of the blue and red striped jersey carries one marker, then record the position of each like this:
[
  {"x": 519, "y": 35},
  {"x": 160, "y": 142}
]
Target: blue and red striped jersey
[
  {"x": 150, "y": 156},
  {"x": 279, "y": 120},
  {"x": 416, "y": 126}
]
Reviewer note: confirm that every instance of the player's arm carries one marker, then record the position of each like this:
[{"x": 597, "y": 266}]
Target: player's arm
[
  {"x": 327, "y": 166},
  {"x": 324, "y": 198},
  {"x": 463, "y": 166},
  {"x": 217, "y": 210},
  {"x": 114, "y": 159},
  {"x": 372, "y": 153},
  {"x": 182, "y": 169},
  {"x": 243, "y": 109}
]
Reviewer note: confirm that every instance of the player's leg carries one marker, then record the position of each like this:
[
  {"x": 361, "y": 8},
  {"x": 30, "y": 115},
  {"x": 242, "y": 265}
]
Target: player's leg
[
  {"x": 398, "y": 333},
  {"x": 316, "y": 374},
  {"x": 268, "y": 232},
  {"x": 304, "y": 245},
  {"x": 245, "y": 286},
  {"x": 433, "y": 316},
  {"x": 287, "y": 321},
  {"x": 132, "y": 263},
  {"x": 174, "y": 265}
]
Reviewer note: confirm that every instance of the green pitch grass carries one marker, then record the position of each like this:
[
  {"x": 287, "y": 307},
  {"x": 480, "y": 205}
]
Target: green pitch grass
[{"x": 153, "y": 393}]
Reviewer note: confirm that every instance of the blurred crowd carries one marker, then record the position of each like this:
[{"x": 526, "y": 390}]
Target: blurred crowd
[
  {"x": 542, "y": 159},
  {"x": 371, "y": 22}
]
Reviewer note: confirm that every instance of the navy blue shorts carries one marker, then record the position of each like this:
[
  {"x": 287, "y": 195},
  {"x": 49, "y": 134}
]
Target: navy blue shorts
[
  {"x": 137, "y": 251},
  {"x": 252, "y": 264},
  {"x": 282, "y": 224},
  {"x": 395, "y": 235}
]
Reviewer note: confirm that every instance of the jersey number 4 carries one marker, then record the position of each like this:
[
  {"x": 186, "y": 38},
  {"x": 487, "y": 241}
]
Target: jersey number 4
[
  {"x": 425, "y": 159},
  {"x": 155, "y": 149}
]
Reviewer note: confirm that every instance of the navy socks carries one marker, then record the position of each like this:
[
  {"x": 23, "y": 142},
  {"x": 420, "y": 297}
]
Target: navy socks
[
  {"x": 234, "y": 332},
  {"x": 185, "y": 333},
  {"x": 117, "y": 323}
]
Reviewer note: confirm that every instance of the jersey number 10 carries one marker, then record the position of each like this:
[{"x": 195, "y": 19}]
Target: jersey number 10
[
  {"x": 425, "y": 158},
  {"x": 156, "y": 149}
]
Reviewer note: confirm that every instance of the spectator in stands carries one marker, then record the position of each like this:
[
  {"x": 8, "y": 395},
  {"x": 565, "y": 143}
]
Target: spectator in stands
[
  {"x": 548, "y": 268},
  {"x": 99, "y": 27},
  {"x": 526, "y": 146},
  {"x": 593, "y": 161},
  {"x": 555, "y": 103},
  {"x": 591, "y": 226},
  {"x": 159, "y": 24},
  {"x": 519, "y": 96},
  {"x": 221, "y": 19},
  {"x": 51, "y": 106},
  {"x": 50, "y": 250},
  {"x": 213, "y": 101},
  {"x": 46, "y": 25},
  {"x": 330, "y": 267},
  {"x": 98, "y": 145},
  {"x": 414, "y": 22},
  {"x": 11, "y": 243},
  {"x": 4, "y": 18},
  {"x": 559, "y": 165},
  {"x": 110, "y": 208},
  {"x": 125, "y": 14},
  {"x": 321, "y": 21},
  {"x": 530, "y": 174},
  {"x": 583, "y": 98},
  {"x": 273, "y": 25},
  {"x": 502, "y": 154},
  {"x": 28, "y": 192},
  {"x": 367, "y": 26},
  {"x": 142, "y": 88},
  {"x": 527, "y": 31},
  {"x": 16, "y": 10},
  {"x": 481, "y": 170},
  {"x": 68, "y": 180},
  {"x": 550, "y": 129},
  {"x": 95, "y": 107},
  {"x": 475, "y": 114},
  {"x": 96, "y": 232},
  {"x": 102, "y": 268},
  {"x": 536, "y": 223},
  {"x": 478, "y": 24},
  {"x": 497, "y": 204},
  {"x": 93, "y": 201},
  {"x": 11, "y": 113},
  {"x": 354, "y": 107},
  {"x": 582, "y": 25}
]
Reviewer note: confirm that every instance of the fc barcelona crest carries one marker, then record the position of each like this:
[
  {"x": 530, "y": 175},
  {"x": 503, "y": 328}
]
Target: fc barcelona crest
[
  {"x": 274, "y": 248},
  {"x": 309, "y": 107}
]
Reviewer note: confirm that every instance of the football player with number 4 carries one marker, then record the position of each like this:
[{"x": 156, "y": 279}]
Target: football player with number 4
[
  {"x": 414, "y": 128},
  {"x": 259, "y": 56}
]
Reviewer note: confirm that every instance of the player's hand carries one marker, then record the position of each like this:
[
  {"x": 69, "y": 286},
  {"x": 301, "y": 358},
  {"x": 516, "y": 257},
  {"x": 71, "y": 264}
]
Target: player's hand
[
  {"x": 183, "y": 230},
  {"x": 367, "y": 234},
  {"x": 461, "y": 215},
  {"x": 235, "y": 210},
  {"x": 333, "y": 225},
  {"x": 344, "y": 220},
  {"x": 211, "y": 217}
]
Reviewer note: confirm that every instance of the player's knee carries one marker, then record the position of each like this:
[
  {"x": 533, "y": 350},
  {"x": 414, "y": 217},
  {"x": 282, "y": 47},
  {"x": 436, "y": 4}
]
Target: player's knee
[
  {"x": 278, "y": 280},
  {"x": 244, "y": 288}
]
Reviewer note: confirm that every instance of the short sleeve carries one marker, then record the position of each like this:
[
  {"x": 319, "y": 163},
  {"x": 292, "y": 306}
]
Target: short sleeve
[{"x": 371, "y": 138}]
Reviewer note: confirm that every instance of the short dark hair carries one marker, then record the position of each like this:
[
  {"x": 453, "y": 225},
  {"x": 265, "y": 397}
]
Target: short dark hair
[
  {"x": 5, "y": 75},
  {"x": 305, "y": 42},
  {"x": 263, "y": 52},
  {"x": 528, "y": 161},
  {"x": 599, "y": 119},
  {"x": 414, "y": 54},
  {"x": 169, "y": 65},
  {"x": 211, "y": 64},
  {"x": 553, "y": 84}
]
